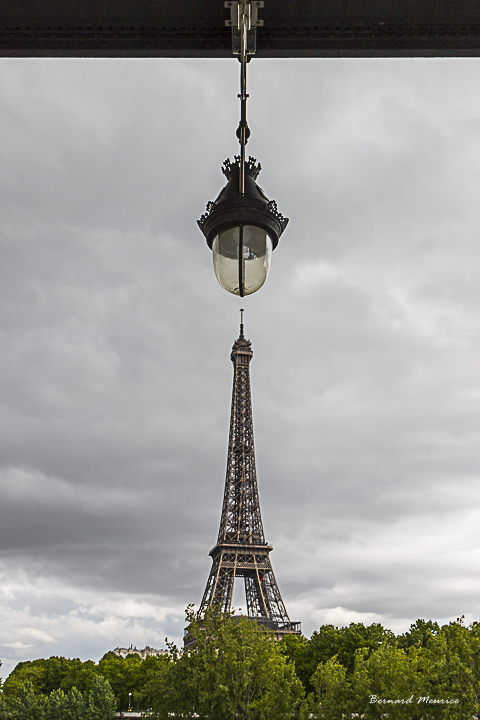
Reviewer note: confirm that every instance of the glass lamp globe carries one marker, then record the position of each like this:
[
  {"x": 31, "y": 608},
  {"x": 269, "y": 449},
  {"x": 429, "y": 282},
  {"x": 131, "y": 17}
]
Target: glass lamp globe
[
  {"x": 242, "y": 230},
  {"x": 241, "y": 258}
]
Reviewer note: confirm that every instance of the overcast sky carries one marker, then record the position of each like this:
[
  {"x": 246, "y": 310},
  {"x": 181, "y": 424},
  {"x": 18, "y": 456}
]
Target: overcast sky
[{"x": 115, "y": 339}]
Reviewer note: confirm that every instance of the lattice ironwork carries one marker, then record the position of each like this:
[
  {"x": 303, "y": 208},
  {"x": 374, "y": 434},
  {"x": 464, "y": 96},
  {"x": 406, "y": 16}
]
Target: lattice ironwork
[{"x": 241, "y": 550}]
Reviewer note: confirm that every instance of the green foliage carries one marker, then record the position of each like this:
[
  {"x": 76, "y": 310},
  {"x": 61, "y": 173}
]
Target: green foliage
[
  {"x": 332, "y": 693},
  {"x": 452, "y": 669},
  {"x": 233, "y": 669},
  {"x": 368, "y": 638},
  {"x": 70, "y": 706},
  {"x": 25, "y": 672},
  {"x": 56, "y": 704},
  {"x": 73, "y": 707},
  {"x": 419, "y": 634},
  {"x": 130, "y": 675},
  {"x": 45, "y": 675},
  {"x": 23, "y": 702},
  {"x": 389, "y": 675},
  {"x": 26, "y": 705},
  {"x": 296, "y": 649},
  {"x": 80, "y": 675},
  {"x": 329, "y": 642},
  {"x": 3, "y": 708},
  {"x": 433, "y": 676},
  {"x": 100, "y": 703}
]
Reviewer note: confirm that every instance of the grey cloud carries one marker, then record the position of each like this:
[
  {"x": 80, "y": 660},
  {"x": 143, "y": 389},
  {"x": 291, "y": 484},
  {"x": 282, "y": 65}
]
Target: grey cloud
[{"x": 115, "y": 341}]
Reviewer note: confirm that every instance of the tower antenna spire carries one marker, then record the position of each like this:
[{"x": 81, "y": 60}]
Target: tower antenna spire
[{"x": 241, "y": 322}]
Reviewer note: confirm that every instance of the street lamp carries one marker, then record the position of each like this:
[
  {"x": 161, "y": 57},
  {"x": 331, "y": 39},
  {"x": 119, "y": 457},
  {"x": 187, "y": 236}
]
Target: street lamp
[
  {"x": 242, "y": 230},
  {"x": 129, "y": 702},
  {"x": 242, "y": 226}
]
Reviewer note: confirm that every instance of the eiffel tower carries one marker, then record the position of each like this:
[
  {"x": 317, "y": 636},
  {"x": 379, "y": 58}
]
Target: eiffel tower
[{"x": 241, "y": 550}]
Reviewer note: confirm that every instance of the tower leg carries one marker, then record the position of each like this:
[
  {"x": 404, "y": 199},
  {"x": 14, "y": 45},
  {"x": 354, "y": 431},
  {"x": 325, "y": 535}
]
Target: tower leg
[{"x": 219, "y": 590}]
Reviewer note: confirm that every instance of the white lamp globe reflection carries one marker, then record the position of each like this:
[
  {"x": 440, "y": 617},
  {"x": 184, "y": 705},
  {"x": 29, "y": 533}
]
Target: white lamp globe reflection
[{"x": 241, "y": 259}]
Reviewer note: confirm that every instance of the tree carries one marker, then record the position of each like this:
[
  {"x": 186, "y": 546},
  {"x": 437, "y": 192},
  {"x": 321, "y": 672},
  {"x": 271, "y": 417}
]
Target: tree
[
  {"x": 329, "y": 642},
  {"x": 129, "y": 675},
  {"x": 3, "y": 708},
  {"x": 73, "y": 706},
  {"x": 232, "y": 670},
  {"x": 24, "y": 672},
  {"x": 332, "y": 692},
  {"x": 45, "y": 675},
  {"x": 296, "y": 648},
  {"x": 368, "y": 638},
  {"x": 80, "y": 675},
  {"x": 451, "y": 670},
  {"x": 419, "y": 634},
  {"x": 26, "y": 706},
  {"x": 100, "y": 703},
  {"x": 56, "y": 703},
  {"x": 120, "y": 673},
  {"x": 387, "y": 681}
]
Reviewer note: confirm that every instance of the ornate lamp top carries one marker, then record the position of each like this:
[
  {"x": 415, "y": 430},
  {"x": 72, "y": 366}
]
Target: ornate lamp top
[
  {"x": 229, "y": 169},
  {"x": 232, "y": 208}
]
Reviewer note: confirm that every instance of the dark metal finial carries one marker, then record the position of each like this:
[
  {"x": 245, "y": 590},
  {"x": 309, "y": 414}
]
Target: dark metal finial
[
  {"x": 241, "y": 323},
  {"x": 230, "y": 168}
]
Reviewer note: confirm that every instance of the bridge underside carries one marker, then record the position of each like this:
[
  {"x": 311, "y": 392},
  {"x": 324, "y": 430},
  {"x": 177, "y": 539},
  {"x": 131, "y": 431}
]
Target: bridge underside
[{"x": 196, "y": 28}]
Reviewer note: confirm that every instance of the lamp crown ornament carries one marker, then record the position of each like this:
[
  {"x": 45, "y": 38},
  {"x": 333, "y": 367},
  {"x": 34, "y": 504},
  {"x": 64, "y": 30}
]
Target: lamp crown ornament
[
  {"x": 233, "y": 168},
  {"x": 232, "y": 208}
]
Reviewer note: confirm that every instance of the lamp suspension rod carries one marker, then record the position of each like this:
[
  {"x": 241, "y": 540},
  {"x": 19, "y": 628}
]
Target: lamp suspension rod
[{"x": 243, "y": 128}]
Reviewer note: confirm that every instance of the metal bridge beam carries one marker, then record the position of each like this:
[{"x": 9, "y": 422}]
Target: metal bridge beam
[{"x": 196, "y": 28}]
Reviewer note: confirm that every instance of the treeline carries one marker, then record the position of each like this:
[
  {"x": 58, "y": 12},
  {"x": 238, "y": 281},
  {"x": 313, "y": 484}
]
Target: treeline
[
  {"x": 25, "y": 702},
  {"x": 234, "y": 670},
  {"x": 62, "y": 689},
  {"x": 120, "y": 676}
]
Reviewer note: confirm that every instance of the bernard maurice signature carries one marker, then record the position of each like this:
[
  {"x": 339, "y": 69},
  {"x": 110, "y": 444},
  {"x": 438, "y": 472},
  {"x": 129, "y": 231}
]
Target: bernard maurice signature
[{"x": 408, "y": 701}]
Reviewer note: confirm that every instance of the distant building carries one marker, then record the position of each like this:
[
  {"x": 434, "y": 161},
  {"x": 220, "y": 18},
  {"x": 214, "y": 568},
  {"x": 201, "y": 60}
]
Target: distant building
[{"x": 145, "y": 652}]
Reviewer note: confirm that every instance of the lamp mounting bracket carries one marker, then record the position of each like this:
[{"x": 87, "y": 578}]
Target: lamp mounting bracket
[
  {"x": 244, "y": 21},
  {"x": 252, "y": 21}
]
